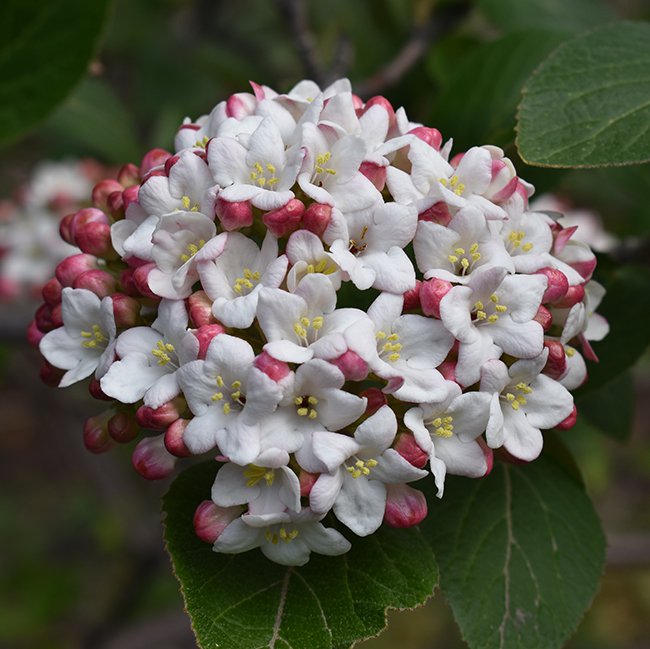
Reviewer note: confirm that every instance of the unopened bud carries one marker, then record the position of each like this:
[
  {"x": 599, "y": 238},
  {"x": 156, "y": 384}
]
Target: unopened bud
[
  {"x": 115, "y": 204},
  {"x": 51, "y": 292},
  {"x": 50, "y": 375},
  {"x": 151, "y": 159},
  {"x": 240, "y": 105},
  {"x": 96, "y": 392},
  {"x": 286, "y": 219},
  {"x": 102, "y": 190},
  {"x": 316, "y": 218},
  {"x": 556, "y": 361},
  {"x": 174, "y": 438},
  {"x": 307, "y": 481},
  {"x": 151, "y": 459},
  {"x": 431, "y": 136},
  {"x": 71, "y": 267},
  {"x": 65, "y": 229},
  {"x": 274, "y": 369},
  {"x": 448, "y": 370},
  {"x": 210, "y": 520},
  {"x": 123, "y": 427},
  {"x": 353, "y": 367},
  {"x": 431, "y": 293},
  {"x": 141, "y": 280},
  {"x": 127, "y": 281},
  {"x": 409, "y": 449},
  {"x": 376, "y": 399},
  {"x": 488, "y": 454},
  {"x": 405, "y": 506},
  {"x": 437, "y": 213},
  {"x": 412, "y": 297},
  {"x": 98, "y": 281},
  {"x": 573, "y": 295},
  {"x": 200, "y": 309},
  {"x": 130, "y": 195},
  {"x": 544, "y": 317},
  {"x": 385, "y": 104},
  {"x": 375, "y": 173},
  {"x": 128, "y": 175},
  {"x": 570, "y": 421},
  {"x": 234, "y": 215},
  {"x": 56, "y": 315},
  {"x": 126, "y": 310},
  {"x": 557, "y": 284},
  {"x": 34, "y": 334},
  {"x": 158, "y": 418},
  {"x": 95, "y": 433},
  {"x": 43, "y": 318},
  {"x": 204, "y": 335}
]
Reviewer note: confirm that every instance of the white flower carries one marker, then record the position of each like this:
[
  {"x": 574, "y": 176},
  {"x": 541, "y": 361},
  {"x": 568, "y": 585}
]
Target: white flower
[
  {"x": 86, "y": 341},
  {"x": 447, "y": 431},
  {"x": 235, "y": 278},
  {"x": 307, "y": 255},
  {"x": 359, "y": 468},
  {"x": 523, "y": 401}
]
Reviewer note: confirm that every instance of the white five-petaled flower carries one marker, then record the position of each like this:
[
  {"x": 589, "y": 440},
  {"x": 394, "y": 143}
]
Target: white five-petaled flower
[
  {"x": 307, "y": 255},
  {"x": 86, "y": 341}
]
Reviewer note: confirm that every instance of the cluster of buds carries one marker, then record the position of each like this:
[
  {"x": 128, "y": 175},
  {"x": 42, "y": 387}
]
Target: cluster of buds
[
  {"x": 314, "y": 292},
  {"x": 30, "y": 246}
]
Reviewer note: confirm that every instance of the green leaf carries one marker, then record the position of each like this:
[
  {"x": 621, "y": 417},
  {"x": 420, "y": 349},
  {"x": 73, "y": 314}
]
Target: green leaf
[
  {"x": 478, "y": 104},
  {"x": 95, "y": 119},
  {"x": 627, "y": 309},
  {"x": 574, "y": 15},
  {"x": 246, "y": 601},
  {"x": 45, "y": 48},
  {"x": 610, "y": 408},
  {"x": 520, "y": 554},
  {"x": 588, "y": 104}
]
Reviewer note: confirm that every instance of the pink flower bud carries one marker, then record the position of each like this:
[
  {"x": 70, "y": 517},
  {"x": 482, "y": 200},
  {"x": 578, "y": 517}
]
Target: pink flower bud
[
  {"x": 158, "y": 418},
  {"x": 50, "y": 375},
  {"x": 544, "y": 317},
  {"x": 235, "y": 215},
  {"x": 141, "y": 280},
  {"x": 151, "y": 159},
  {"x": 43, "y": 318},
  {"x": 95, "y": 433},
  {"x": 65, "y": 229},
  {"x": 151, "y": 459},
  {"x": 115, "y": 204},
  {"x": 431, "y": 293},
  {"x": 170, "y": 162},
  {"x": 240, "y": 105},
  {"x": 409, "y": 449},
  {"x": 123, "y": 427},
  {"x": 405, "y": 506},
  {"x": 412, "y": 297},
  {"x": 126, "y": 310},
  {"x": 130, "y": 195},
  {"x": 34, "y": 334},
  {"x": 128, "y": 175},
  {"x": 128, "y": 284},
  {"x": 200, "y": 309},
  {"x": 307, "y": 481},
  {"x": 204, "y": 335},
  {"x": 573, "y": 295},
  {"x": 274, "y": 369},
  {"x": 71, "y": 267},
  {"x": 557, "y": 284},
  {"x": 83, "y": 217},
  {"x": 174, "y": 438},
  {"x": 431, "y": 136},
  {"x": 286, "y": 219},
  {"x": 210, "y": 520},
  {"x": 357, "y": 102},
  {"x": 353, "y": 367},
  {"x": 96, "y": 392},
  {"x": 448, "y": 370},
  {"x": 56, "y": 314},
  {"x": 570, "y": 421},
  {"x": 376, "y": 399},
  {"x": 51, "y": 292},
  {"x": 386, "y": 105},
  {"x": 316, "y": 218},
  {"x": 556, "y": 361},
  {"x": 98, "y": 281},
  {"x": 102, "y": 190},
  {"x": 437, "y": 213},
  {"x": 375, "y": 173},
  {"x": 488, "y": 454},
  {"x": 562, "y": 237}
]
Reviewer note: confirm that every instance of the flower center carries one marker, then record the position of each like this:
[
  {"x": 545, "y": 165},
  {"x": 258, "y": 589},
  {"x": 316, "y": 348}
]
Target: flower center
[
  {"x": 191, "y": 249},
  {"x": 264, "y": 175},
  {"x": 516, "y": 398},
  {"x": 391, "y": 348},
  {"x": 454, "y": 184},
  {"x": 361, "y": 467},
  {"x": 443, "y": 426},
  {"x": 305, "y": 325},
  {"x": 202, "y": 143},
  {"x": 247, "y": 282},
  {"x": 359, "y": 245},
  {"x": 254, "y": 474},
  {"x": 323, "y": 266},
  {"x": 515, "y": 241},
  {"x": 283, "y": 534},
  {"x": 481, "y": 310},
  {"x": 306, "y": 406},
  {"x": 464, "y": 258},
  {"x": 186, "y": 201},
  {"x": 94, "y": 338},
  {"x": 162, "y": 352},
  {"x": 321, "y": 160},
  {"x": 231, "y": 398}
]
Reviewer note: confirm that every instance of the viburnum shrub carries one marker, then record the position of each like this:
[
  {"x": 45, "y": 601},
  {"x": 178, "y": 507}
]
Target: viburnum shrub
[{"x": 330, "y": 301}]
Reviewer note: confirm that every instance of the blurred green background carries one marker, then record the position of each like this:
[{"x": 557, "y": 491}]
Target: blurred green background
[{"x": 82, "y": 561}]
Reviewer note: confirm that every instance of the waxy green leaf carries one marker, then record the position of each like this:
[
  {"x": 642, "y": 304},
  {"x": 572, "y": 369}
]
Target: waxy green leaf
[
  {"x": 45, "y": 49},
  {"x": 520, "y": 554},
  {"x": 588, "y": 104},
  {"x": 246, "y": 601}
]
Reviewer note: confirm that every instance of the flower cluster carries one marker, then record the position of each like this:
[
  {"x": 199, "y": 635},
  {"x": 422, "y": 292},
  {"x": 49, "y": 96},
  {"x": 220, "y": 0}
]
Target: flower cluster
[
  {"x": 314, "y": 291},
  {"x": 30, "y": 246}
]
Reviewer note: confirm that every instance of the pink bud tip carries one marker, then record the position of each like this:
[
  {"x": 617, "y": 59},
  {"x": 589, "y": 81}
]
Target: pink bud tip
[
  {"x": 98, "y": 281},
  {"x": 123, "y": 428},
  {"x": 316, "y": 218},
  {"x": 431, "y": 136},
  {"x": 34, "y": 334},
  {"x": 157, "y": 418},
  {"x": 570, "y": 421},
  {"x": 573, "y": 295},
  {"x": 128, "y": 175},
  {"x": 488, "y": 454},
  {"x": 437, "y": 213},
  {"x": 56, "y": 315},
  {"x": 141, "y": 280},
  {"x": 234, "y": 216},
  {"x": 153, "y": 158},
  {"x": 95, "y": 433},
  {"x": 128, "y": 284},
  {"x": 557, "y": 284},
  {"x": 50, "y": 375},
  {"x": 96, "y": 392},
  {"x": 405, "y": 506},
  {"x": 307, "y": 481},
  {"x": 353, "y": 367},
  {"x": 204, "y": 335},
  {"x": 385, "y": 104},
  {"x": 65, "y": 229},
  {"x": 71, "y": 267},
  {"x": 544, "y": 317},
  {"x": 376, "y": 399},
  {"x": 43, "y": 318},
  {"x": 115, "y": 204},
  {"x": 409, "y": 449},
  {"x": 130, "y": 195},
  {"x": 556, "y": 361},
  {"x": 274, "y": 369},
  {"x": 126, "y": 310},
  {"x": 200, "y": 309},
  {"x": 286, "y": 219},
  {"x": 431, "y": 293},
  {"x": 412, "y": 297},
  {"x": 102, "y": 190},
  {"x": 240, "y": 105},
  {"x": 210, "y": 520},
  {"x": 51, "y": 292},
  {"x": 375, "y": 173},
  {"x": 151, "y": 459},
  {"x": 174, "y": 438}
]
